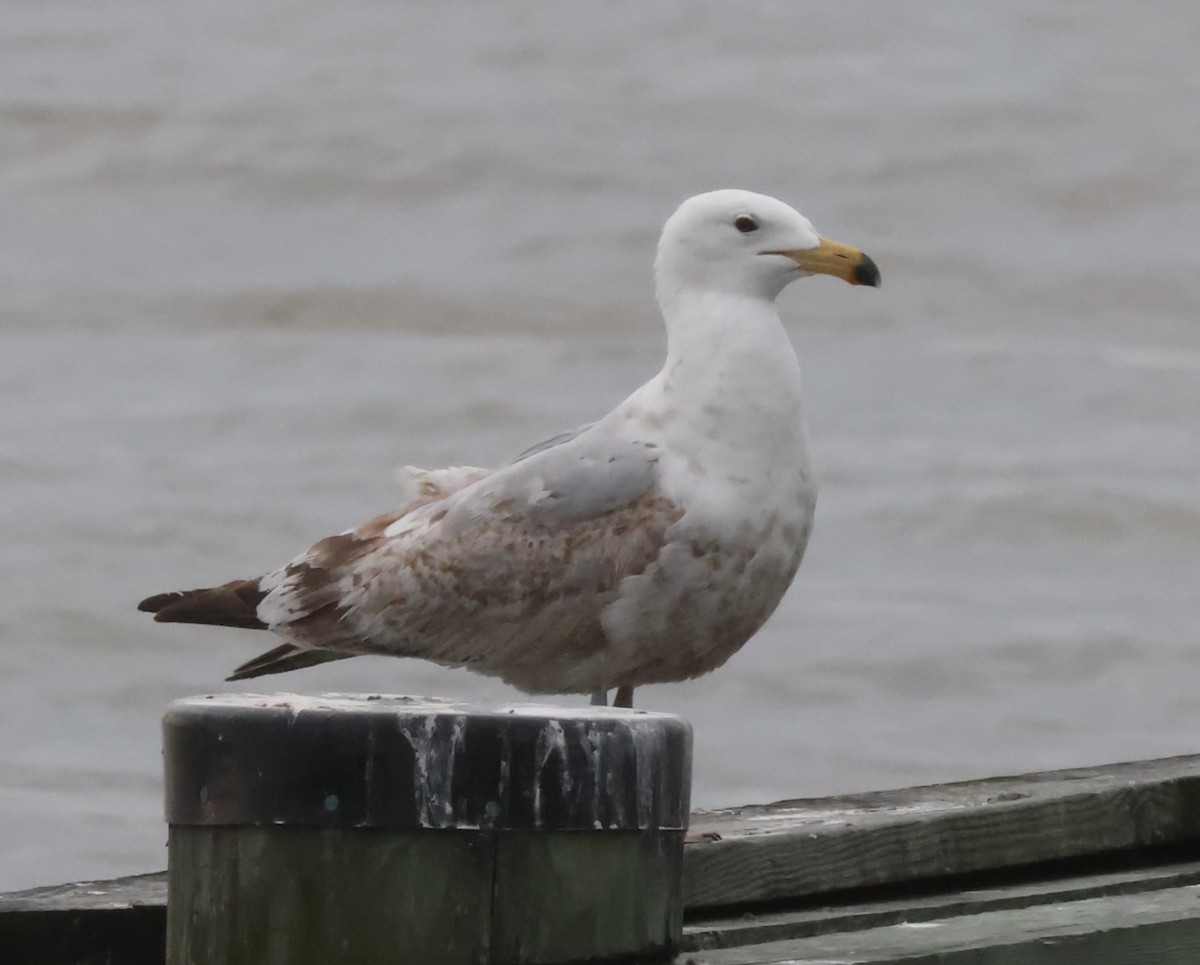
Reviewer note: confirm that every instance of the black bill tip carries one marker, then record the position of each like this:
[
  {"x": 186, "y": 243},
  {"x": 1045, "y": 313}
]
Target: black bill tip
[{"x": 866, "y": 272}]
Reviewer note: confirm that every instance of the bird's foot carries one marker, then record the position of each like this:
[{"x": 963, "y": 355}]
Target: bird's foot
[{"x": 623, "y": 698}]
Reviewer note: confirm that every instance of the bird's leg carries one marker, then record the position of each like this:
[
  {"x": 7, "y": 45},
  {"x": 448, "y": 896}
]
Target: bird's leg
[
  {"x": 624, "y": 697},
  {"x": 600, "y": 698}
]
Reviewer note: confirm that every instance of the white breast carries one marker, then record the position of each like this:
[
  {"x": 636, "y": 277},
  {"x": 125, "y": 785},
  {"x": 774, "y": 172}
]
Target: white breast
[{"x": 729, "y": 421}]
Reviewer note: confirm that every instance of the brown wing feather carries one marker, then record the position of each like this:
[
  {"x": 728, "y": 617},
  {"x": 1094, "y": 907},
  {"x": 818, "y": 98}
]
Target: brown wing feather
[{"x": 283, "y": 659}]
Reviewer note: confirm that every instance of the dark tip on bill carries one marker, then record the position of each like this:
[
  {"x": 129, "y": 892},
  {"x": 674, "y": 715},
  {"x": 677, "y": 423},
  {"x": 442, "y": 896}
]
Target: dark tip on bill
[{"x": 866, "y": 272}]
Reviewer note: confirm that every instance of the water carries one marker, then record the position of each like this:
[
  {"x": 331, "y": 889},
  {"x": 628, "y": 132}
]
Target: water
[{"x": 253, "y": 257}]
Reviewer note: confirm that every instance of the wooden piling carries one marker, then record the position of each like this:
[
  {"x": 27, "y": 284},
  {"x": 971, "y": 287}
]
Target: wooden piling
[{"x": 391, "y": 829}]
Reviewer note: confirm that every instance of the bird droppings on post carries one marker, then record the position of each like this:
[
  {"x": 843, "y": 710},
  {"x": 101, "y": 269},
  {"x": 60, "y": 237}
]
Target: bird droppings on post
[
  {"x": 550, "y": 739},
  {"x": 434, "y": 755}
]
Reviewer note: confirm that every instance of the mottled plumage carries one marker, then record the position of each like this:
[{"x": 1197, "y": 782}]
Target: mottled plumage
[{"x": 645, "y": 547}]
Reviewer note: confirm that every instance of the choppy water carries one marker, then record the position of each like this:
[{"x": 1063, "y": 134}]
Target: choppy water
[{"x": 253, "y": 256}]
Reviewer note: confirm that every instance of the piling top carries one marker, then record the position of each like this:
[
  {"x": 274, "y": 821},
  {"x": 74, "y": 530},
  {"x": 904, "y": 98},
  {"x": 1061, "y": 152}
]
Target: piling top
[{"x": 384, "y": 761}]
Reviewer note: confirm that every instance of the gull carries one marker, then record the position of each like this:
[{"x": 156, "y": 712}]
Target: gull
[{"x": 645, "y": 547}]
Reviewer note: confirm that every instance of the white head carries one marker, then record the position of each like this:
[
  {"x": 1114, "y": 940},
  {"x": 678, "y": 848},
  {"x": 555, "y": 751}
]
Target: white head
[{"x": 741, "y": 243}]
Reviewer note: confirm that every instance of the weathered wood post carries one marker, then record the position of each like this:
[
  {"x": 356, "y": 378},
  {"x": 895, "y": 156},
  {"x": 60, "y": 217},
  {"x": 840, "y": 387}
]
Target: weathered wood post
[{"x": 347, "y": 828}]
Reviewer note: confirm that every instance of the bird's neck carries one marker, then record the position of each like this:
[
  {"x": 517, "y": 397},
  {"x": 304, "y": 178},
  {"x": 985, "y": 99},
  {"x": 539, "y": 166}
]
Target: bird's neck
[
  {"x": 726, "y": 410},
  {"x": 721, "y": 345},
  {"x": 731, "y": 375}
]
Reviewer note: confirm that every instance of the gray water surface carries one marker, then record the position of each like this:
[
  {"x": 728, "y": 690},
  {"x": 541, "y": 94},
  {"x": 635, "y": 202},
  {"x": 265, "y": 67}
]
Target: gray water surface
[{"x": 254, "y": 257}]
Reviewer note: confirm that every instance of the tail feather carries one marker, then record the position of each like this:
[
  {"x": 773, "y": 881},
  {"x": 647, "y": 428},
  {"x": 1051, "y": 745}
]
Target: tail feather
[
  {"x": 282, "y": 659},
  {"x": 233, "y": 605}
]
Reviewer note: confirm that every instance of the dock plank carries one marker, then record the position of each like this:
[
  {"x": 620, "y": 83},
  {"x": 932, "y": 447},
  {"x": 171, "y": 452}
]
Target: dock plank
[
  {"x": 799, "y": 848},
  {"x": 1159, "y": 927},
  {"x": 117, "y": 922},
  {"x": 955, "y": 900}
]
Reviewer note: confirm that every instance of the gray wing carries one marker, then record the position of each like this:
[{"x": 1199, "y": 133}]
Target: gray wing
[
  {"x": 505, "y": 573},
  {"x": 555, "y": 440},
  {"x": 575, "y": 475}
]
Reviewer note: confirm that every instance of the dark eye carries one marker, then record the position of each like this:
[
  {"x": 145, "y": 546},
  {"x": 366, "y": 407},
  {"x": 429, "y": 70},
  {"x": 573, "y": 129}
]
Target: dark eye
[{"x": 745, "y": 224}]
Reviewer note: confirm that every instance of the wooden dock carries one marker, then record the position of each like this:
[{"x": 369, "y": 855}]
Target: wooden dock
[{"x": 1094, "y": 865}]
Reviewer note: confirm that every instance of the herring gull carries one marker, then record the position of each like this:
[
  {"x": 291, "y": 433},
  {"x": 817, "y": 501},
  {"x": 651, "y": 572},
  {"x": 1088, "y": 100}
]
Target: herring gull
[{"x": 646, "y": 547}]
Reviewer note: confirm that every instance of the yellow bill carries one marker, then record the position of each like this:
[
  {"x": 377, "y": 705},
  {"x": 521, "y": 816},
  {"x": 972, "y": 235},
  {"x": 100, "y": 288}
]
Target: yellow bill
[{"x": 834, "y": 258}]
